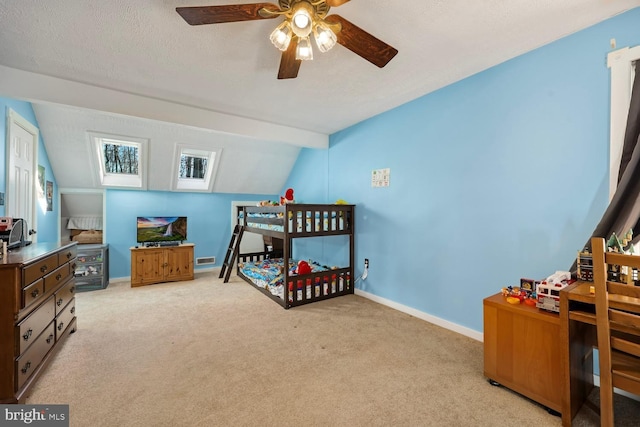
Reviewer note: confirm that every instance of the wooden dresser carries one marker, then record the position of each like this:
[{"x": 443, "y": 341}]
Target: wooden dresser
[{"x": 37, "y": 313}]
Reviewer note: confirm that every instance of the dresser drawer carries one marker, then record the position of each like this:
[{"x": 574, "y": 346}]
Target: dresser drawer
[
  {"x": 63, "y": 320},
  {"x": 32, "y": 292},
  {"x": 30, "y": 328},
  {"x": 34, "y": 271},
  {"x": 67, "y": 255},
  {"x": 57, "y": 277},
  {"x": 64, "y": 295},
  {"x": 29, "y": 361}
]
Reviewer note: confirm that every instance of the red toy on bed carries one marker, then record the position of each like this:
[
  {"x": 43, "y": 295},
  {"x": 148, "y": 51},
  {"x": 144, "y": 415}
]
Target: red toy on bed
[{"x": 303, "y": 268}]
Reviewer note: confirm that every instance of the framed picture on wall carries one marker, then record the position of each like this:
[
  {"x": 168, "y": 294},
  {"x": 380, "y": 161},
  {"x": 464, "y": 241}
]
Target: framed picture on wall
[
  {"x": 41, "y": 175},
  {"x": 49, "y": 195}
]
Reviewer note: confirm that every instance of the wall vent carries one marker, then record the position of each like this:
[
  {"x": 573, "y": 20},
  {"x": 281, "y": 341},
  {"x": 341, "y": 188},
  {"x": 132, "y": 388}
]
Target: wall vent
[{"x": 206, "y": 260}]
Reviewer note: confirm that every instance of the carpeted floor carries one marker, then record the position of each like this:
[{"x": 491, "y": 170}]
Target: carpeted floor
[{"x": 206, "y": 353}]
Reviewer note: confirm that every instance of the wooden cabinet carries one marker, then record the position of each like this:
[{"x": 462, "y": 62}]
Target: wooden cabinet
[
  {"x": 37, "y": 313},
  {"x": 522, "y": 350},
  {"x": 161, "y": 264}
]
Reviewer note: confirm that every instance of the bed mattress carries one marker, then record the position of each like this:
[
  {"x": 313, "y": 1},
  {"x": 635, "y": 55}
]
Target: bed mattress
[
  {"x": 320, "y": 221},
  {"x": 269, "y": 273}
]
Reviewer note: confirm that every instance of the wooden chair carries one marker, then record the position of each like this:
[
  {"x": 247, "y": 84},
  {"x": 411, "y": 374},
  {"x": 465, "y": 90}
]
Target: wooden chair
[{"x": 618, "y": 326}]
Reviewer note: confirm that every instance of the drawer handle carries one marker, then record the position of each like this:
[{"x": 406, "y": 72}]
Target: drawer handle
[
  {"x": 58, "y": 277},
  {"x": 35, "y": 293},
  {"x": 49, "y": 339},
  {"x": 73, "y": 310},
  {"x": 72, "y": 289},
  {"x": 43, "y": 268},
  {"x": 59, "y": 302},
  {"x": 27, "y": 334},
  {"x": 60, "y": 326},
  {"x": 73, "y": 266},
  {"x": 68, "y": 255},
  {"x": 26, "y": 367}
]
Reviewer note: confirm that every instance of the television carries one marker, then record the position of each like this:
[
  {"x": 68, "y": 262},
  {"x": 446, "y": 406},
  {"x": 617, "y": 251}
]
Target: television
[{"x": 161, "y": 229}]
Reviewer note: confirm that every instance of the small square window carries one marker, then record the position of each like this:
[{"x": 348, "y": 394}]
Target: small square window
[
  {"x": 120, "y": 157},
  {"x": 194, "y": 170},
  {"x": 119, "y": 161},
  {"x": 192, "y": 166}
]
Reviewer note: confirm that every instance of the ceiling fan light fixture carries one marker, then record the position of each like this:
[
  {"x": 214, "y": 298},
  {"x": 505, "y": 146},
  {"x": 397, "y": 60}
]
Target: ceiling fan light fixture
[
  {"x": 281, "y": 36},
  {"x": 325, "y": 38},
  {"x": 304, "y": 52},
  {"x": 301, "y": 19}
]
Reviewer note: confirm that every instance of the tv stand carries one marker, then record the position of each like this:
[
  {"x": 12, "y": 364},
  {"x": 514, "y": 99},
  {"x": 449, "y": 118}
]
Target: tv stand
[{"x": 150, "y": 265}]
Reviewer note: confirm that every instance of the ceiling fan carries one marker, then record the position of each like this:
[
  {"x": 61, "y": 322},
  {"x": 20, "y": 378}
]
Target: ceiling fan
[{"x": 302, "y": 19}]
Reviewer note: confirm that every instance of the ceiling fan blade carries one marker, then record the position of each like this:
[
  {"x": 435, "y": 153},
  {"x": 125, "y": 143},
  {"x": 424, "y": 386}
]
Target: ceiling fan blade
[
  {"x": 362, "y": 43},
  {"x": 289, "y": 65},
  {"x": 336, "y": 3},
  {"x": 200, "y": 15}
]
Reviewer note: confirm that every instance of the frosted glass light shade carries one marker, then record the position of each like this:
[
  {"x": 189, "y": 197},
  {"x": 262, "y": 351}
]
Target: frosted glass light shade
[
  {"x": 281, "y": 36},
  {"x": 325, "y": 38},
  {"x": 304, "y": 51}
]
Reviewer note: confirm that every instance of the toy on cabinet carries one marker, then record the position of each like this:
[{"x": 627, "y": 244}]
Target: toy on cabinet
[{"x": 548, "y": 290}]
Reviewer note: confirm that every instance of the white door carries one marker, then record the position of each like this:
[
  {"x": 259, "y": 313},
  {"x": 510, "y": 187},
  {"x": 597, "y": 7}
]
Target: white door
[{"x": 21, "y": 171}]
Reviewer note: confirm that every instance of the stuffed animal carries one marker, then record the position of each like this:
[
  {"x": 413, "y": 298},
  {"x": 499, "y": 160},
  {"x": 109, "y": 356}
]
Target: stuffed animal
[
  {"x": 303, "y": 267},
  {"x": 288, "y": 197}
]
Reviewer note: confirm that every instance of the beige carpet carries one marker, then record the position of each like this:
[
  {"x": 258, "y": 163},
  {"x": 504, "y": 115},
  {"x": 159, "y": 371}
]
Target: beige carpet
[{"x": 206, "y": 353}]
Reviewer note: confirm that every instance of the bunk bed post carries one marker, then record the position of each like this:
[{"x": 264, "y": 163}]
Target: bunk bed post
[
  {"x": 352, "y": 233},
  {"x": 286, "y": 256}
]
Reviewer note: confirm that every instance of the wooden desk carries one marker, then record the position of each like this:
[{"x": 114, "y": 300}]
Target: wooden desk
[{"x": 578, "y": 338}]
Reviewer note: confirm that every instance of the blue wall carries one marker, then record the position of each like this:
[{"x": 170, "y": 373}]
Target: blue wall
[
  {"x": 208, "y": 221},
  {"x": 47, "y": 227},
  {"x": 499, "y": 176}
]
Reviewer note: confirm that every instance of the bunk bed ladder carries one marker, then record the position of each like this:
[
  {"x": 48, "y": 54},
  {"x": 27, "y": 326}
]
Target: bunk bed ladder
[{"x": 232, "y": 253}]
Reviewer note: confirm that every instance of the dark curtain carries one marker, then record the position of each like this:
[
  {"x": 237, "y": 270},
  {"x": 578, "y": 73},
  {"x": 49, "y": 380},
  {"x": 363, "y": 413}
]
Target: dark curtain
[{"x": 623, "y": 213}]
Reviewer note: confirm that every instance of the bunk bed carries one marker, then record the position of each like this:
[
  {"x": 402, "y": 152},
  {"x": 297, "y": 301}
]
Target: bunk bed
[{"x": 267, "y": 270}]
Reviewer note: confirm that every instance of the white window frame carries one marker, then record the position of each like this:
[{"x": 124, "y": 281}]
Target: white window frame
[
  {"x": 114, "y": 180},
  {"x": 622, "y": 63},
  {"x": 195, "y": 184}
]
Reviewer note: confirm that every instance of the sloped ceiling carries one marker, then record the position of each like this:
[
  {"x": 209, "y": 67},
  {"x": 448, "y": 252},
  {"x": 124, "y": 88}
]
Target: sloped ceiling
[{"x": 137, "y": 68}]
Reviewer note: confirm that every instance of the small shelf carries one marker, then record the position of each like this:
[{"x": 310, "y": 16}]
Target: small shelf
[{"x": 92, "y": 267}]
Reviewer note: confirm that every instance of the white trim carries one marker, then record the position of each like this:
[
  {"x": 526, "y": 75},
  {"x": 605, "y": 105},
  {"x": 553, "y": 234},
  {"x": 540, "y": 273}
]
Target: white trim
[
  {"x": 478, "y": 336},
  {"x": 621, "y": 64},
  {"x": 14, "y": 117}
]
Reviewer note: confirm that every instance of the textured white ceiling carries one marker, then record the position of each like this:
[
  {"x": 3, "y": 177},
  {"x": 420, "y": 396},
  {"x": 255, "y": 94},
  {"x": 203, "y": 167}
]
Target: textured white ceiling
[{"x": 141, "y": 59}]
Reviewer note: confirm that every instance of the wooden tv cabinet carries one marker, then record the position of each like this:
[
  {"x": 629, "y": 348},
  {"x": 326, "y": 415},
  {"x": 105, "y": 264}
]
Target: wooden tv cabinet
[
  {"x": 522, "y": 350},
  {"x": 159, "y": 264}
]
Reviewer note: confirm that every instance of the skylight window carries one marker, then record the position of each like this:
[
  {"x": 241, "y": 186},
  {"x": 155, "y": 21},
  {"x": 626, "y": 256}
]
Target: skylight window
[
  {"x": 194, "y": 168},
  {"x": 120, "y": 161}
]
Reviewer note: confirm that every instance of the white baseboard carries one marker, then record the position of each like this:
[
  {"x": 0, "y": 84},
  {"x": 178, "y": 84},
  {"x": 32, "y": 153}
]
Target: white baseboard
[
  {"x": 478, "y": 336},
  {"x": 596, "y": 382}
]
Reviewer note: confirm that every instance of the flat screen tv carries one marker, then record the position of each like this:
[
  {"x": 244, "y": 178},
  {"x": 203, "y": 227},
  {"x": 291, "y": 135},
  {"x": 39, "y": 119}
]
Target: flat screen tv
[{"x": 161, "y": 229}]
